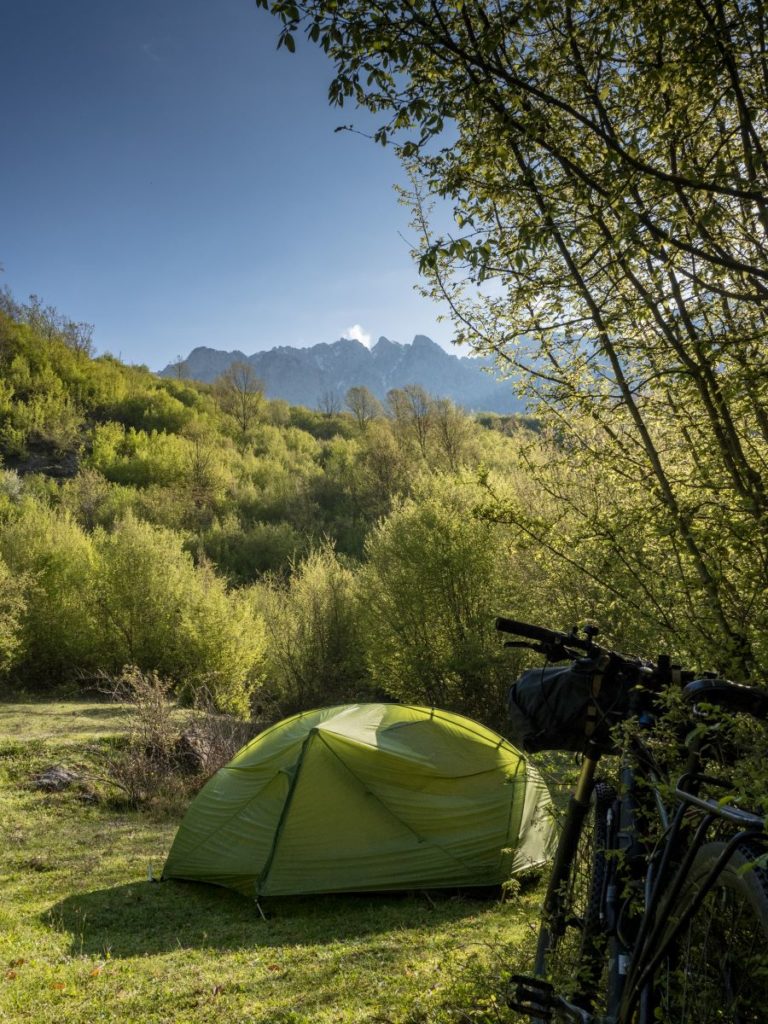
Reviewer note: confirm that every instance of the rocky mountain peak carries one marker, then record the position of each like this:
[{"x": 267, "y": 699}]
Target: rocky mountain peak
[{"x": 306, "y": 376}]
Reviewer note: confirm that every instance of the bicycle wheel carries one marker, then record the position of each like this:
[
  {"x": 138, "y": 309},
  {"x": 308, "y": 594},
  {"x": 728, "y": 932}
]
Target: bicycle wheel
[
  {"x": 717, "y": 972},
  {"x": 571, "y": 949}
]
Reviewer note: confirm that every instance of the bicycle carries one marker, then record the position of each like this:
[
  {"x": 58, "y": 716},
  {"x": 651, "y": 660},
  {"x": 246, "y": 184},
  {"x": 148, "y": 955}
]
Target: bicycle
[{"x": 657, "y": 905}]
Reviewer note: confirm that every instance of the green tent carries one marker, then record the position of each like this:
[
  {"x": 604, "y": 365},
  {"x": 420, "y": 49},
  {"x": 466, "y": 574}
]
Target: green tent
[{"x": 365, "y": 797}]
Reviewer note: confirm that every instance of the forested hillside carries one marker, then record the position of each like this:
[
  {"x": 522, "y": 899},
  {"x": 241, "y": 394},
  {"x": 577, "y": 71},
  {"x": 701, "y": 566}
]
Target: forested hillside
[
  {"x": 263, "y": 551},
  {"x": 283, "y": 558}
]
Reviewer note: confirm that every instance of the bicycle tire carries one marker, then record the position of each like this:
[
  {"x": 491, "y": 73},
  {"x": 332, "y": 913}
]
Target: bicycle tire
[
  {"x": 717, "y": 971},
  {"x": 571, "y": 949}
]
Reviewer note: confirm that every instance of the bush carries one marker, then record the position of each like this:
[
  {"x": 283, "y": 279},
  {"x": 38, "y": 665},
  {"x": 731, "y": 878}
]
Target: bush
[
  {"x": 314, "y": 643},
  {"x": 153, "y": 410},
  {"x": 93, "y": 501},
  {"x": 161, "y": 612},
  {"x": 143, "y": 766},
  {"x": 138, "y": 459},
  {"x": 435, "y": 579},
  {"x": 168, "y": 753},
  {"x": 56, "y": 559},
  {"x": 12, "y": 607},
  {"x": 245, "y": 552},
  {"x": 221, "y": 643}
]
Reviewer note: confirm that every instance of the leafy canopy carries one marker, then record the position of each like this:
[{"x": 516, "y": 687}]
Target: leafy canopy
[{"x": 606, "y": 167}]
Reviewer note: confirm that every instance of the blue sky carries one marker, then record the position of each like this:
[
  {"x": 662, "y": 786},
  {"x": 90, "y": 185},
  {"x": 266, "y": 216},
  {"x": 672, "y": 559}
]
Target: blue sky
[{"x": 170, "y": 177}]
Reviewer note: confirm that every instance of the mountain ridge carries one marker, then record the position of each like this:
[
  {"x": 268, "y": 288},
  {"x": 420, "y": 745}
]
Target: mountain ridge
[{"x": 308, "y": 376}]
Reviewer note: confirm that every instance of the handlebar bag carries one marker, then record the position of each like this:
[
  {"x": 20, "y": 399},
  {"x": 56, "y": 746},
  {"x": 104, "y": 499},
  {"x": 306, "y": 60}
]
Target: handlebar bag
[{"x": 567, "y": 707}]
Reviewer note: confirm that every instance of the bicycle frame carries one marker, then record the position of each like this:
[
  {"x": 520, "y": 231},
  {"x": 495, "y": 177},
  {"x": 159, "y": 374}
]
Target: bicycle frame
[
  {"x": 642, "y": 892},
  {"x": 655, "y": 873},
  {"x": 667, "y": 871}
]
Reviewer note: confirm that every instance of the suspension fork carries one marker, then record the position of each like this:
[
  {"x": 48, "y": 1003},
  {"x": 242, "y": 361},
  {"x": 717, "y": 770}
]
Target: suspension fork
[{"x": 578, "y": 805}]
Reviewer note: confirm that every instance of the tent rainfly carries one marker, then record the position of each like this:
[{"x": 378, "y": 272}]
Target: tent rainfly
[{"x": 366, "y": 797}]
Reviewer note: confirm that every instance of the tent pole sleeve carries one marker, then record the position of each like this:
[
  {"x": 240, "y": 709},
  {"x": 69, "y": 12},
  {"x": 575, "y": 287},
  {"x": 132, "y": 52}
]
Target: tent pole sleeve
[{"x": 283, "y": 815}]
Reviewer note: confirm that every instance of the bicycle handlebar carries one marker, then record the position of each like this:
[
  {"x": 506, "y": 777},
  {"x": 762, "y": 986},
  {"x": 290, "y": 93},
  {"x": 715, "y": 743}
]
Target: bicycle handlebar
[
  {"x": 526, "y": 629},
  {"x": 707, "y": 688},
  {"x": 559, "y": 646},
  {"x": 555, "y": 644}
]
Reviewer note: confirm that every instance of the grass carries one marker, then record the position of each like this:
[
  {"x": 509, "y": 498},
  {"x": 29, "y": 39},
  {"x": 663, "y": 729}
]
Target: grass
[
  {"x": 85, "y": 937},
  {"x": 62, "y": 722}
]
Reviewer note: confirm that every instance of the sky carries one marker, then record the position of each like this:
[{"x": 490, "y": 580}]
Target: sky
[{"x": 171, "y": 177}]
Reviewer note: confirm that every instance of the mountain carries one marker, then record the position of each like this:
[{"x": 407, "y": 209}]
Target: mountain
[{"x": 304, "y": 376}]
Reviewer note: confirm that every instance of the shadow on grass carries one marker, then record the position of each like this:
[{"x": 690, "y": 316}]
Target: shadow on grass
[
  {"x": 103, "y": 711},
  {"x": 61, "y": 721},
  {"x": 145, "y": 918}
]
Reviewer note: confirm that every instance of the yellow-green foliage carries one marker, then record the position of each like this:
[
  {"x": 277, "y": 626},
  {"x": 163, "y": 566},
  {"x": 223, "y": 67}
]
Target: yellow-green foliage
[
  {"x": 435, "y": 579},
  {"x": 315, "y": 643},
  {"x": 136, "y": 458},
  {"x": 221, "y": 643},
  {"x": 74, "y": 603},
  {"x": 153, "y": 410},
  {"x": 57, "y": 560},
  {"x": 159, "y": 611},
  {"x": 243, "y": 551},
  {"x": 177, "y": 542},
  {"x": 12, "y": 607},
  {"x": 48, "y": 387}
]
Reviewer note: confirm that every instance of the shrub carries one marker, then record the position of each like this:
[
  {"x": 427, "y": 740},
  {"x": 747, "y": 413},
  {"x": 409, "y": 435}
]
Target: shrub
[
  {"x": 168, "y": 752},
  {"x": 221, "y": 643},
  {"x": 144, "y": 767},
  {"x": 12, "y": 607},
  {"x": 245, "y": 552},
  {"x": 56, "y": 558},
  {"x": 314, "y": 643},
  {"x": 153, "y": 409},
  {"x": 135, "y": 458},
  {"x": 93, "y": 501},
  {"x": 435, "y": 580},
  {"x": 161, "y": 612}
]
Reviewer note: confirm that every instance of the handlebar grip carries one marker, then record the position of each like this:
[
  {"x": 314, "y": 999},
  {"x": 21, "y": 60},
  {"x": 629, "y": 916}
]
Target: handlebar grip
[{"x": 528, "y": 630}]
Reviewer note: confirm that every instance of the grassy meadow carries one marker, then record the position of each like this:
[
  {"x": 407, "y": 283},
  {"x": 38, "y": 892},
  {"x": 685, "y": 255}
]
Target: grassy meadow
[{"x": 86, "y": 937}]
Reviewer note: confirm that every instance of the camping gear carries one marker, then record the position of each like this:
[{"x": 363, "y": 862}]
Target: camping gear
[
  {"x": 567, "y": 707},
  {"x": 366, "y": 797}
]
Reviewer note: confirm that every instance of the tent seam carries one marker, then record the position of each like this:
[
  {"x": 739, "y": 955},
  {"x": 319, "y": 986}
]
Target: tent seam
[{"x": 264, "y": 873}]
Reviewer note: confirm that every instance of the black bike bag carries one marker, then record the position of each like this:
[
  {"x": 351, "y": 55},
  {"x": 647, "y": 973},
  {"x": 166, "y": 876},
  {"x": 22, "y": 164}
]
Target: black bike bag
[{"x": 567, "y": 707}]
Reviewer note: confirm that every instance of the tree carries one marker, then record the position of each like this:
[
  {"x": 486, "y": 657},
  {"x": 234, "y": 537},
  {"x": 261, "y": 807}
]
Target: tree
[
  {"x": 363, "y": 405},
  {"x": 330, "y": 404},
  {"x": 412, "y": 411},
  {"x": 609, "y": 174},
  {"x": 58, "y": 635},
  {"x": 179, "y": 367},
  {"x": 452, "y": 430},
  {"x": 385, "y": 468},
  {"x": 161, "y": 612},
  {"x": 203, "y": 476},
  {"x": 241, "y": 393},
  {"x": 13, "y": 604},
  {"x": 48, "y": 323}
]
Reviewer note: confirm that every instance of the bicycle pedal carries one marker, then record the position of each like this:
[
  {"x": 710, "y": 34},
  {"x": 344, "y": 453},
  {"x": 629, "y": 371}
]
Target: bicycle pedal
[{"x": 533, "y": 997}]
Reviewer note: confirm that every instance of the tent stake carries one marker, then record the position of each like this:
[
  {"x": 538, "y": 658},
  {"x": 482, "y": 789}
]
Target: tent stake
[{"x": 258, "y": 907}]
